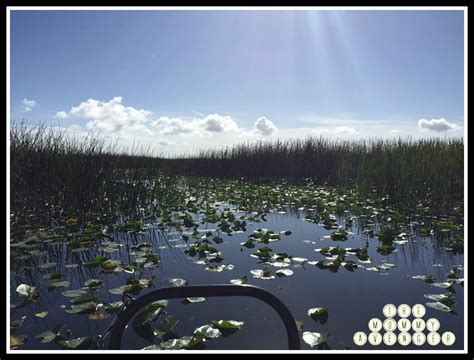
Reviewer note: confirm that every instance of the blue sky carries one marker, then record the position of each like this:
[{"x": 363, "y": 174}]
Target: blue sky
[{"x": 185, "y": 79}]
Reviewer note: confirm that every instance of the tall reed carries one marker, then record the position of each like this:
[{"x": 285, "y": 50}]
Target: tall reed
[{"x": 51, "y": 172}]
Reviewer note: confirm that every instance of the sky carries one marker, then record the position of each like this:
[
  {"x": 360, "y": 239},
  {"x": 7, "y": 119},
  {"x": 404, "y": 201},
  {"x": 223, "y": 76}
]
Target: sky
[{"x": 181, "y": 80}]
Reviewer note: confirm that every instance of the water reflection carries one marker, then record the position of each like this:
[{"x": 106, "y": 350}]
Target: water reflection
[{"x": 352, "y": 298}]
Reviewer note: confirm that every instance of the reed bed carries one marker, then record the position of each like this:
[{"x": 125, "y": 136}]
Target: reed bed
[
  {"x": 52, "y": 173},
  {"x": 405, "y": 171}
]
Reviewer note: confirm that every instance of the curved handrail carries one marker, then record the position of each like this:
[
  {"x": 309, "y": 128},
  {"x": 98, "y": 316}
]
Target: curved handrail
[{"x": 205, "y": 291}]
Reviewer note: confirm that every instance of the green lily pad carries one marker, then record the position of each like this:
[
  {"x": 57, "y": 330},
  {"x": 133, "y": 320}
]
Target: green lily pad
[
  {"x": 314, "y": 338},
  {"x": 113, "y": 307},
  {"x": 186, "y": 342},
  {"x": 193, "y": 300},
  {"x": 57, "y": 284},
  {"x": 95, "y": 261},
  {"x": 93, "y": 283},
  {"x": 47, "y": 265},
  {"x": 262, "y": 274},
  {"x": 165, "y": 326},
  {"x": 74, "y": 293},
  {"x": 228, "y": 324},
  {"x": 439, "y": 306},
  {"x": 178, "y": 281},
  {"x": 42, "y": 314},
  {"x": 79, "y": 343},
  {"x": 240, "y": 281},
  {"x": 319, "y": 314},
  {"x": 83, "y": 308},
  {"x": 208, "y": 331},
  {"x": 426, "y": 278},
  {"x": 284, "y": 272},
  {"x": 26, "y": 291}
]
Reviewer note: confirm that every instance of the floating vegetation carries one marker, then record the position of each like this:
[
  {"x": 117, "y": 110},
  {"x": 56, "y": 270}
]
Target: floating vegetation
[
  {"x": 339, "y": 235},
  {"x": 385, "y": 249},
  {"x": 240, "y": 281},
  {"x": 105, "y": 223},
  {"x": 315, "y": 339},
  {"x": 439, "y": 306},
  {"x": 228, "y": 324},
  {"x": 166, "y": 326},
  {"x": 284, "y": 272},
  {"x": 430, "y": 279},
  {"x": 42, "y": 314},
  {"x": 319, "y": 314},
  {"x": 177, "y": 281},
  {"x": 262, "y": 274},
  {"x": 27, "y": 291}
]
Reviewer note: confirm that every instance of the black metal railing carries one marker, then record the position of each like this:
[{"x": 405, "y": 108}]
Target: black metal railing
[{"x": 135, "y": 306}]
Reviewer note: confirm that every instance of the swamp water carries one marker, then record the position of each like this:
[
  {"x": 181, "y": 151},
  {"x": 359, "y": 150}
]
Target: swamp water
[{"x": 353, "y": 292}]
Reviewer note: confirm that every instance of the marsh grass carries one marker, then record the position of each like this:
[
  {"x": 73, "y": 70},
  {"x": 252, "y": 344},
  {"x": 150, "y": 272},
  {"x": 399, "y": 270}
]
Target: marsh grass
[
  {"x": 404, "y": 171},
  {"x": 53, "y": 174}
]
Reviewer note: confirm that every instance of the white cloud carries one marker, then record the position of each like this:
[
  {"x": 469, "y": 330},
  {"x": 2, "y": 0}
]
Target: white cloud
[
  {"x": 61, "y": 115},
  {"x": 212, "y": 123},
  {"x": 111, "y": 116},
  {"x": 436, "y": 125},
  {"x": 396, "y": 131},
  {"x": 265, "y": 126},
  {"x": 218, "y": 123},
  {"x": 345, "y": 130},
  {"x": 28, "y": 105},
  {"x": 174, "y": 126}
]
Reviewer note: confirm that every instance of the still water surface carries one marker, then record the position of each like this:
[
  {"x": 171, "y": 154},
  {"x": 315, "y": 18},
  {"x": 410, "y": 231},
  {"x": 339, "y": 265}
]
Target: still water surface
[{"x": 352, "y": 298}]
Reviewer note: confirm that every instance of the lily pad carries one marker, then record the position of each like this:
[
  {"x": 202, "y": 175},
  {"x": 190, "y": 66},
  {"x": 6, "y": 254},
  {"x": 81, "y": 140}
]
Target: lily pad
[
  {"x": 47, "y": 265},
  {"x": 178, "y": 281},
  {"x": 240, "y": 281},
  {"x": 446, "y": 299},
  {"x": 319, "y": 314},
  {"x": 426, "y": 278},
  {"x": 74, "y": 293},
  {"x": 208, "y": 331},
  {"x": 439, "y": 306},
  {"x": 165, "y": 326},
  {"x": 83, "y": 308},
  {"x": 93, "y": 283},
  {"x": 42, "y": 314},
  {"x": 228, "y": 324},
  {"x": 79, "y": 343},
  {"x": 95, "y": 261},
  {"x": 193, "y": 300},
  {"x": 443, "y": 285},
  {"x": 262, "y": 274},
  {"x": 315, "y": 339},
  {"x": 284, "y": 272},
  {"x": 26, "y": 291},
  {"x": 186, "y": 342},
  {"x": 57, "y": 284}
]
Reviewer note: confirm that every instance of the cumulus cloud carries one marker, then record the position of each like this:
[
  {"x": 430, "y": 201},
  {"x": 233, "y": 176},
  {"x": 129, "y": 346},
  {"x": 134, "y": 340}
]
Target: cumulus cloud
[
  {"x": 345, "y": 130},
  {"x": 111, "y": 116},
  {"x": 438, "y": 125},
  {"x": 61, "y": 115},
  {"x": 218, "y": 123},
  {"x": 212, "y": 123},
  {"x": 265, "y": 126},
  {"x": 28, "y": 105},
  {"x": 174, "y": 126}
]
